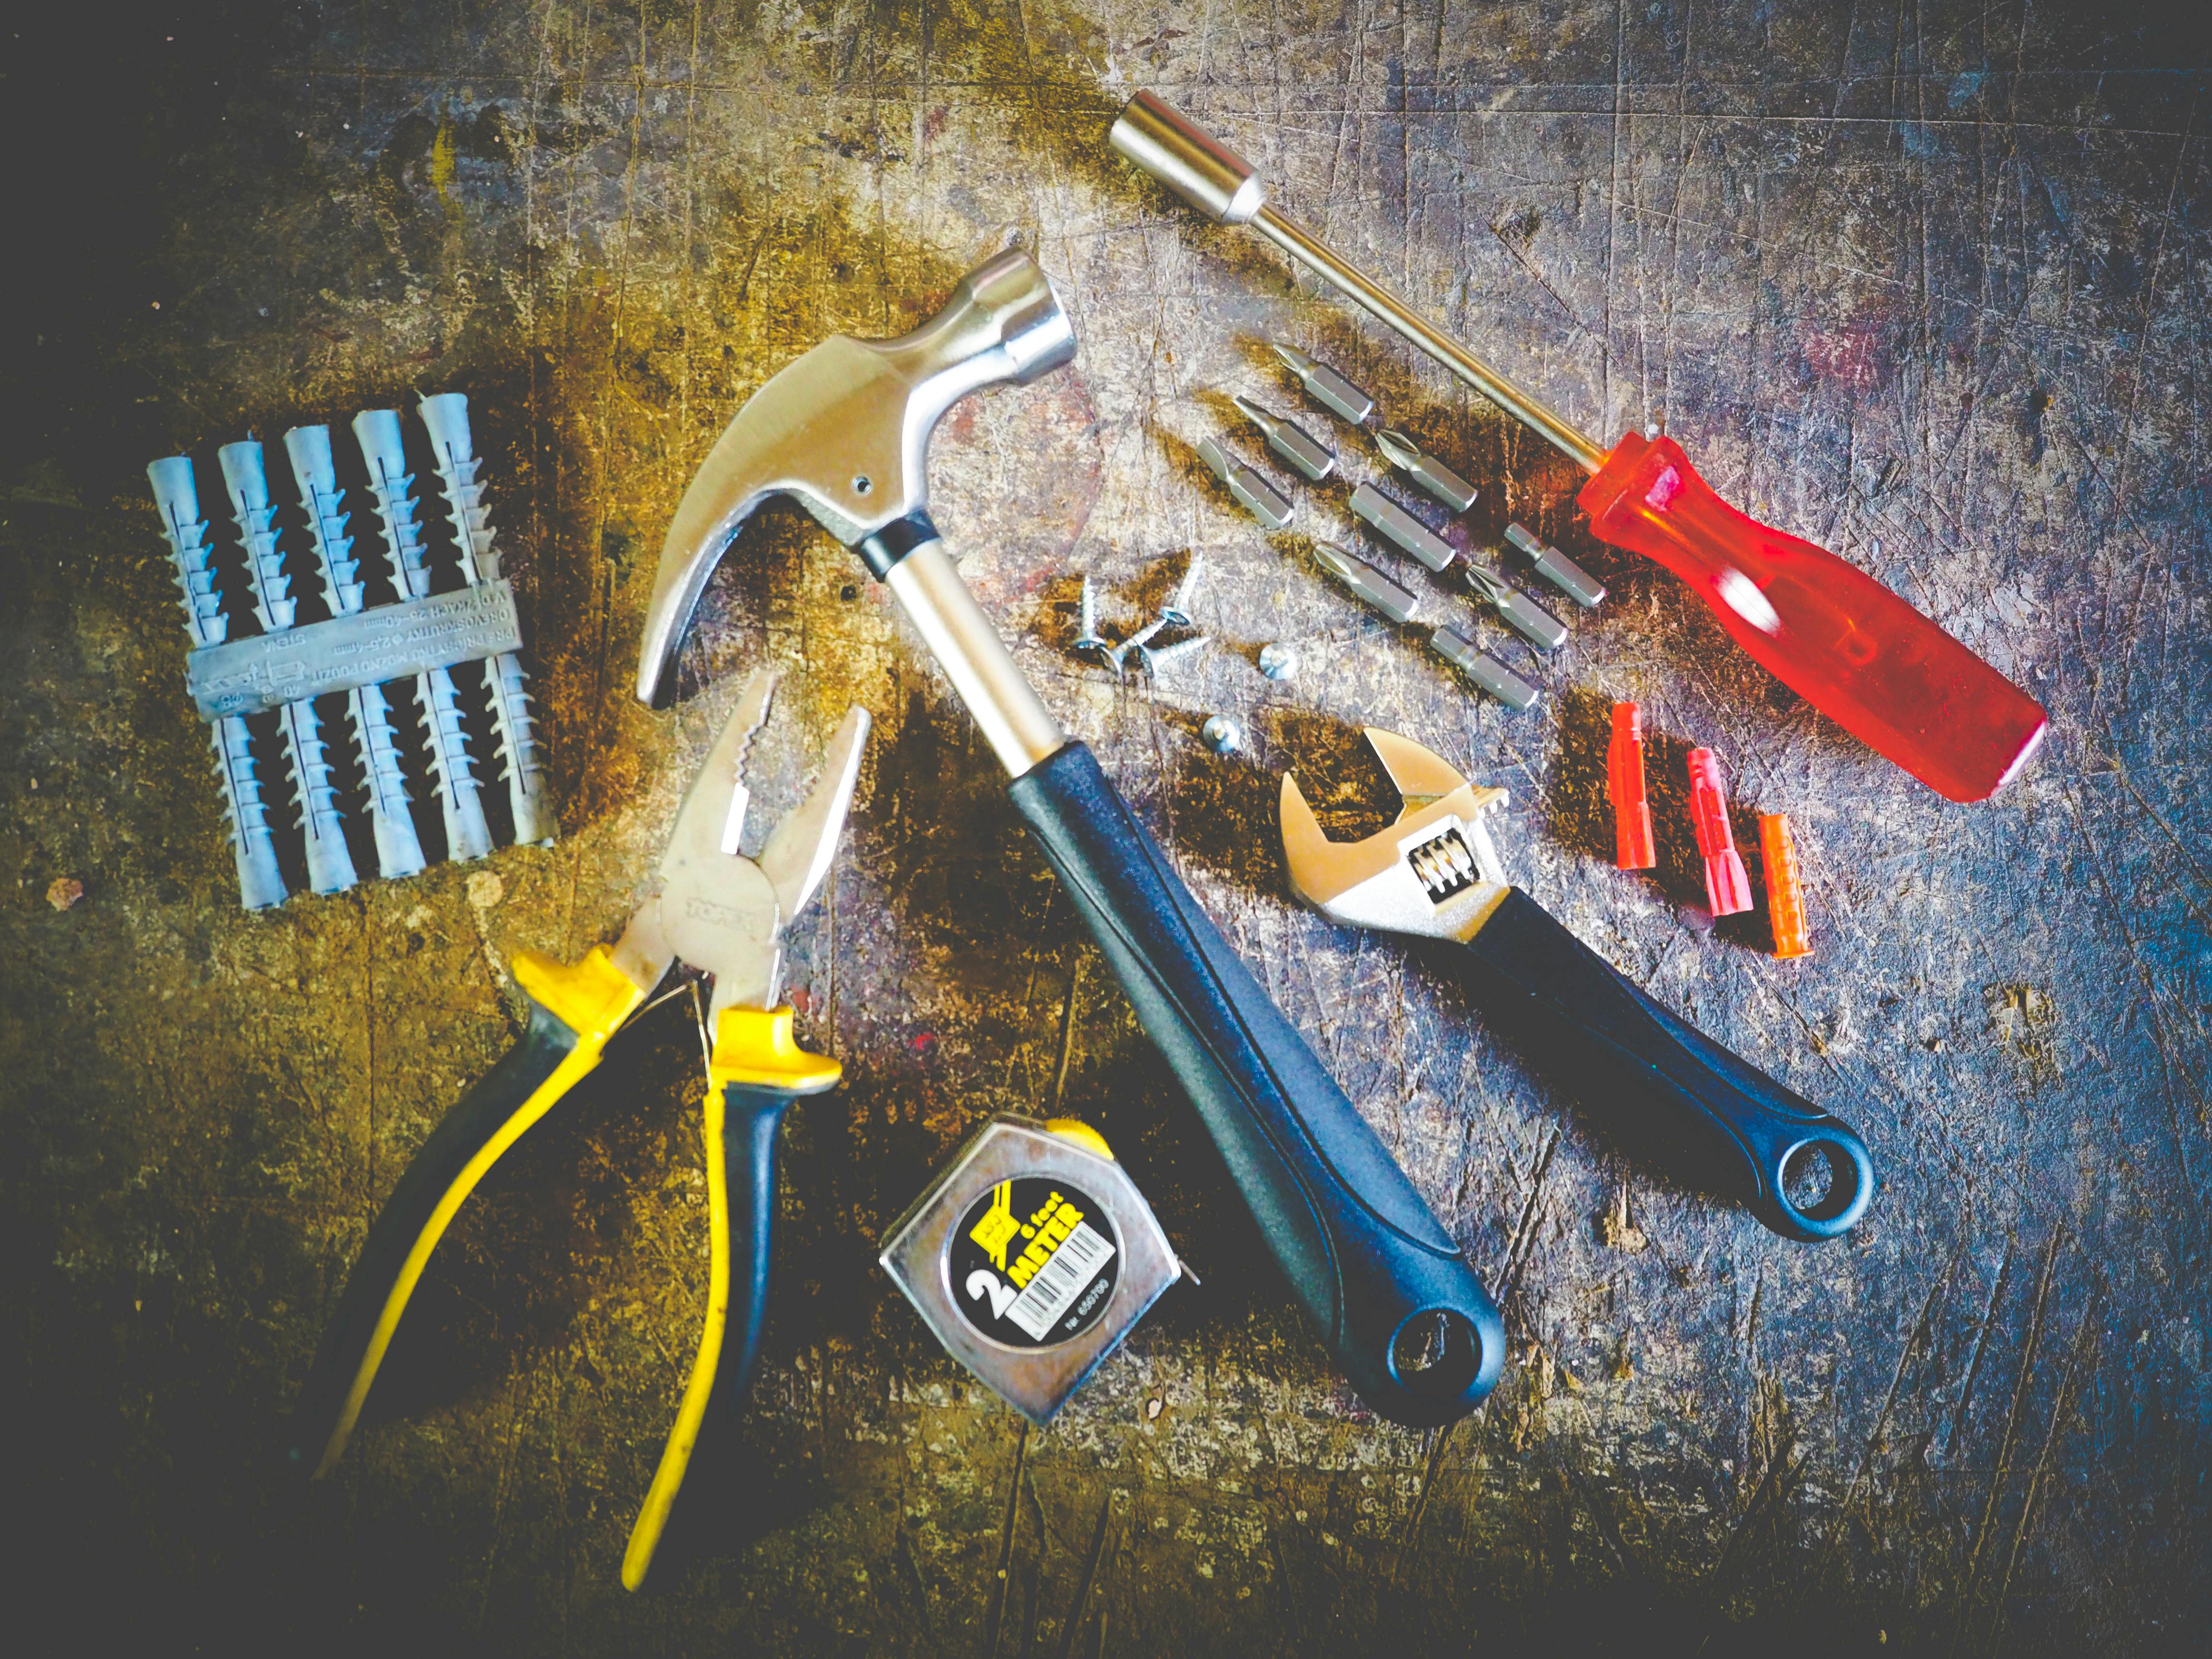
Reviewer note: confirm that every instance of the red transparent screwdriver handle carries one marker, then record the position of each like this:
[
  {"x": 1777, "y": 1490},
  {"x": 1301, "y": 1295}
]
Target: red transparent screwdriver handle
[{"x": 1825, "y": 629}]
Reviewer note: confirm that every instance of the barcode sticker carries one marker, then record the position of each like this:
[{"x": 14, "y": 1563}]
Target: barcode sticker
[{"x": 1060, "y": 1280}]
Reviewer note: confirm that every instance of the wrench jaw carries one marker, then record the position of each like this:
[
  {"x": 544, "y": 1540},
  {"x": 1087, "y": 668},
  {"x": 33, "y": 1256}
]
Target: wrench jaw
[
  {"x": 1434, "y": 873},
  {"x": 844, "y": 431}
]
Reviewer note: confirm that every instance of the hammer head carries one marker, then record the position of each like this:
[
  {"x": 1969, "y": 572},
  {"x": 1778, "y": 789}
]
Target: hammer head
[
  {"x": 845, "y": 430},
  {"x": 1433, "y": 873}
]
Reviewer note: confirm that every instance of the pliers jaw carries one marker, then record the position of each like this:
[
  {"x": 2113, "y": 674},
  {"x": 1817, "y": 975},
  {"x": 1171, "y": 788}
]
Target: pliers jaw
[
  {"x": 1434, "y": 872},
  {"x": 718, "y": 911}
]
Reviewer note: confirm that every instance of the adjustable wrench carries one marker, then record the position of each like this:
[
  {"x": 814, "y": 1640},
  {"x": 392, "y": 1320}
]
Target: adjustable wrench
[{"x": 1435, "y": 874}]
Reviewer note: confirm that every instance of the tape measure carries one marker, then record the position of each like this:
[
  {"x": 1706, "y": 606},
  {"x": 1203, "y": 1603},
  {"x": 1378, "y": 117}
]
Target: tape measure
[{"x": 1030, "y": 1256}]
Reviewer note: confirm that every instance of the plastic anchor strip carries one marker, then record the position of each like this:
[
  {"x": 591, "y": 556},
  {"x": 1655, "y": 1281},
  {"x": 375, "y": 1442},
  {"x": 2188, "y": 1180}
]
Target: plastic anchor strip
[
  {"x": 329, "y": 863},
  {"x": 467, "y": 835},
  {"x": 515, "y": 726},
  {"x": 392, "y": 820},
  {"x": 260, "y": 882}
]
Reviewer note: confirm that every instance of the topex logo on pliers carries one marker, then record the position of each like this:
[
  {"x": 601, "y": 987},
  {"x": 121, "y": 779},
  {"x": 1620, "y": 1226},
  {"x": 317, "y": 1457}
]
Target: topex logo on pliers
[
  {"x": 1690, "y": 1104},
  {"x": 722, "y": 914}
]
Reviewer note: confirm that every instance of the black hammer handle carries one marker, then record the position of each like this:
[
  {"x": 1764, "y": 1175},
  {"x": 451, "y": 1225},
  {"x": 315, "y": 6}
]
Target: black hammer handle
[
  {"x": 1675, "y": 1093},
  {"x": 1399, "y": 1307}
]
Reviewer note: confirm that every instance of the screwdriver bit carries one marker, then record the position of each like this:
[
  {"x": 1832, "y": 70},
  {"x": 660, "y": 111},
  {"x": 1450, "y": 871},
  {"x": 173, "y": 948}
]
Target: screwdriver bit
[
  {"x": 1522, "y": 614},
  {"x": 1325, "y": 385},
  {"x": 1556, "y": 568},
  {"x": 1369, "y": 583},
  {"x": 1290, "y": 440},
  {"x": 1425, "y": 470},
  {"x": 1486, "y": 671},
  {"x": 1400, "y": 527},
  {"x": 1260, "y": 499}
]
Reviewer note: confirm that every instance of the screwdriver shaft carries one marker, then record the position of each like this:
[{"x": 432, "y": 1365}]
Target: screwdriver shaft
[{"x": 1357, "y": 285}]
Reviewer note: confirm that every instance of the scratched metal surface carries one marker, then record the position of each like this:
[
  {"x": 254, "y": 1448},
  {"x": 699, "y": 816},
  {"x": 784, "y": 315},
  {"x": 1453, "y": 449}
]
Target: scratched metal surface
[{"x": 1923, "y": 283}]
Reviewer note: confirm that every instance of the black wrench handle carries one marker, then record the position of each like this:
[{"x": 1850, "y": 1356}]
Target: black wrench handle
[
  {"x": 1734, "y": 1126},
  {"x": 1365, "y": 1256}
]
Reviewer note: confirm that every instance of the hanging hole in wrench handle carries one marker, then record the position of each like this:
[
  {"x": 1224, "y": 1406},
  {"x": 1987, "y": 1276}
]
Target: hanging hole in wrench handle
[
  {"x": 1667, "y": 1090},
  {"x": 1399, "y": 1308}
]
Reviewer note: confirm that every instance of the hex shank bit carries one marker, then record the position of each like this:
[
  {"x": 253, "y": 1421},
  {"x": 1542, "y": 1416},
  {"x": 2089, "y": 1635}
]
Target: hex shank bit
[
  {"x": 377, "y": 431},
  {"x": 1556, "y": 568},
  {"x": 1394, "y": 525},
  {"x": 330, "y": 862},
  {"x": 1522, "y": 614},
  {"x": 1259, "y": 497},
  {"x": 1856, "y": 651},
  {"x": 1369, "y": 584},
  {"x": 1425, "y": 470},
  {"x": 1290, "y": 440},
  {"x": 392, "y": 821},
  {"x": 1486, "y": 671},
  {"x": 1325, "y": 385},
  {"x": 447, "y": 415},
  {"x": 260, "y": 882}
]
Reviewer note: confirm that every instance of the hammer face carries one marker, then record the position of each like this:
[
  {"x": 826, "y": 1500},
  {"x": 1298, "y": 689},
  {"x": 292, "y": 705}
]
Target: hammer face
[{"x": 845, "y": 431}]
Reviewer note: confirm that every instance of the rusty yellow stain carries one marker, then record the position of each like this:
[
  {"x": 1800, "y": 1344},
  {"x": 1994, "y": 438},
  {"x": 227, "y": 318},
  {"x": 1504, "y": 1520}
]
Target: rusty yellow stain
[{"x": 441, "y": 161}]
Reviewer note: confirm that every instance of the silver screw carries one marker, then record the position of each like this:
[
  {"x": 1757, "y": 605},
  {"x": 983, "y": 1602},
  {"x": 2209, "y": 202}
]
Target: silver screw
[
  {"x": 1221, "y": 735},
  {"x": 1278, "y": 662},
  {"x": 1177, "y": 608},
  {"x": 1087, "y": 642},
  {"x": 1167, "y": 655},
  {"x": 1118, "y": 655}
]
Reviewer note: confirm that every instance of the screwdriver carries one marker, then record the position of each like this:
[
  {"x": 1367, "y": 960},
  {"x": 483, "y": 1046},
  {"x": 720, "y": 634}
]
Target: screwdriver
[{"x": 1827, "y": 630}]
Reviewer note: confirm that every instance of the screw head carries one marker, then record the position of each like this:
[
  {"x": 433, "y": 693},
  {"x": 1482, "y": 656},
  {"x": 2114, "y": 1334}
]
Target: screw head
[
  {"x": 1221, "y": 735},
  {"x": 1278, "y": 661}
]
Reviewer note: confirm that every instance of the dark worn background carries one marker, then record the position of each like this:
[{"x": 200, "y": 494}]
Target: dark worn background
[{"x": 1921, "y": 280}]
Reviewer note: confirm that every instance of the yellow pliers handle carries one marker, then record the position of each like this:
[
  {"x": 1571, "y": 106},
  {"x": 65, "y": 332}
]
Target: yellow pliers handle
[
  {"x": 573, "y": 1013},
  {"x": 754, "y": 1073}
]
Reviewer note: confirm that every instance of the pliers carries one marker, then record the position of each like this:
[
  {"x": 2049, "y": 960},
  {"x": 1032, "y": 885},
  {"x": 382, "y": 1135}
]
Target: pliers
[{"x": 722, "y": 914}]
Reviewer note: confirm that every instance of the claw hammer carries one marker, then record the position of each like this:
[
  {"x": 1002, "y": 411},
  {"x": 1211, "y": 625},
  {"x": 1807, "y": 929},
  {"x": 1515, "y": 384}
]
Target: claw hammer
[{"x": 844, "y": 431}]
